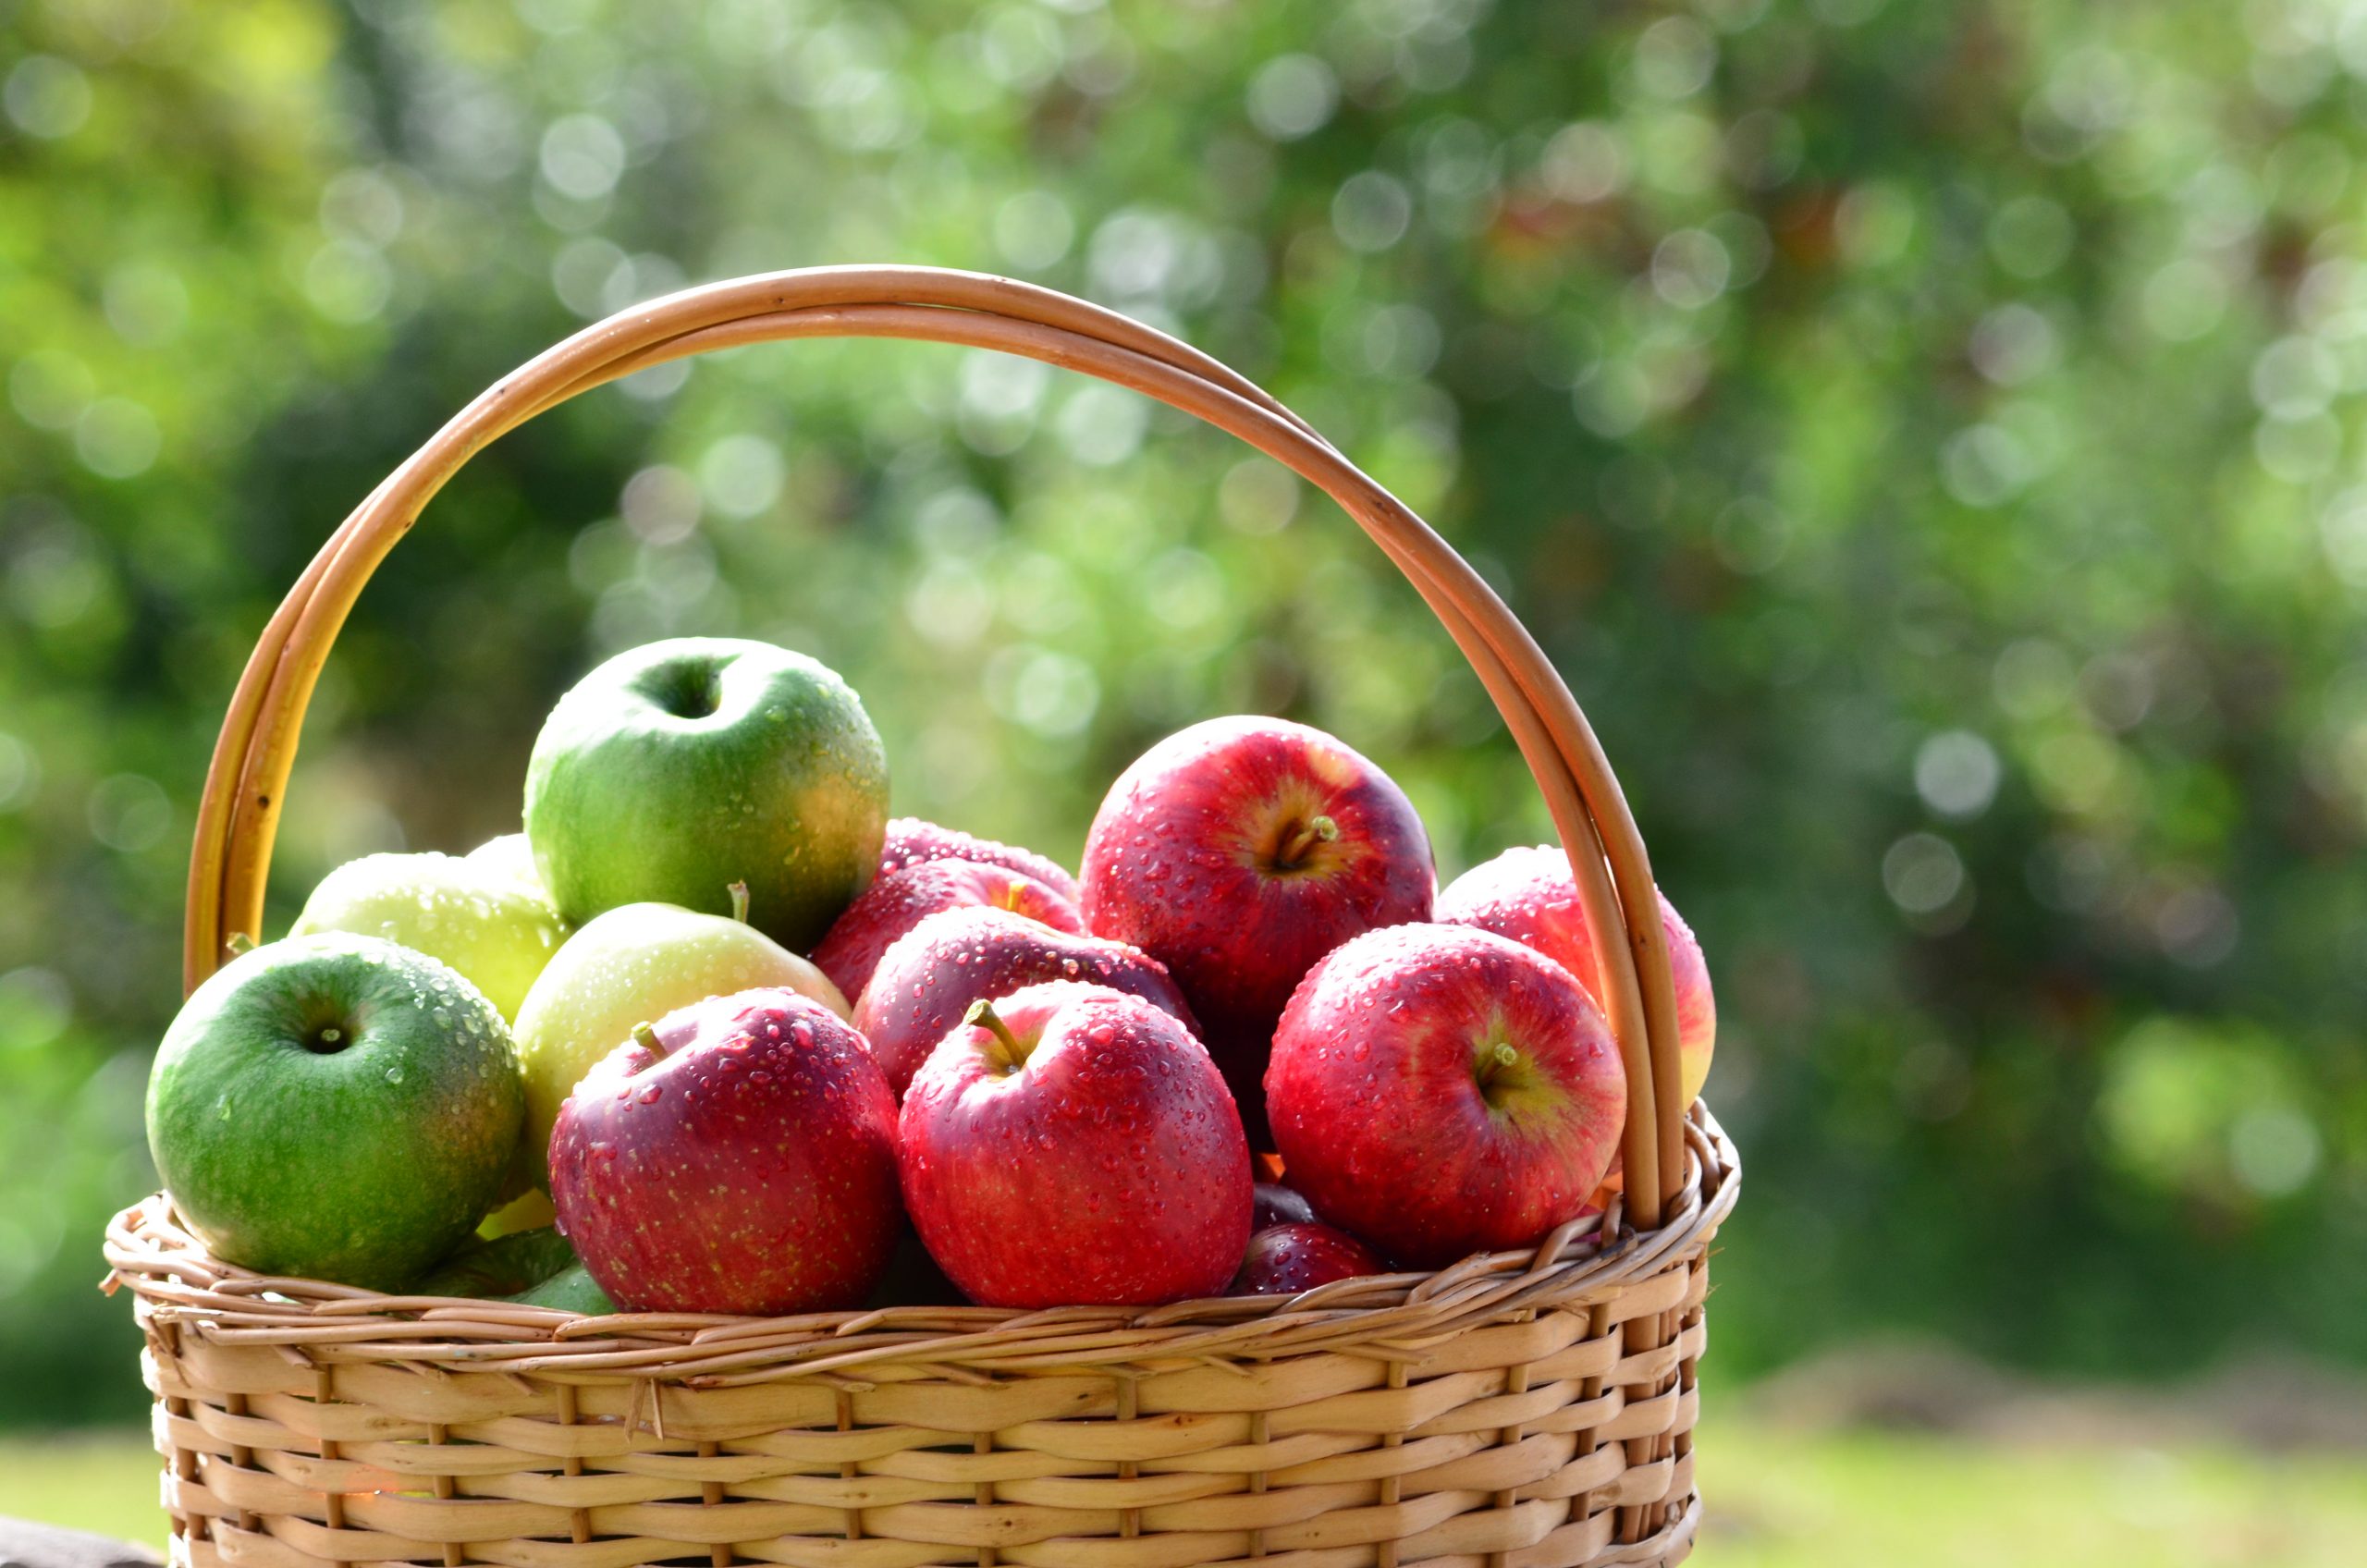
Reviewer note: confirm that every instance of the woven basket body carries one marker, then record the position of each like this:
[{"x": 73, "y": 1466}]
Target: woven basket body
[{"x": 1523, "y": 1408}]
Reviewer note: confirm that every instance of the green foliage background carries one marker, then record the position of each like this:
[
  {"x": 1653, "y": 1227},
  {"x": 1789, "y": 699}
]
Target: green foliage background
[{"x": 1926, "y": 435}]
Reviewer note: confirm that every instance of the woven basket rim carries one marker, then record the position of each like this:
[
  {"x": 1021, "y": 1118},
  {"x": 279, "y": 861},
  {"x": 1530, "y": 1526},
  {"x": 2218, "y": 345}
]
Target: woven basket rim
[{"x": 179, "y": 1282}]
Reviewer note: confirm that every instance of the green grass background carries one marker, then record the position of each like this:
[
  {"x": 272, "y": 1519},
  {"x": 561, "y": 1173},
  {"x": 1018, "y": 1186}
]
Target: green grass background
[{"x": 1777, "y": 1499}]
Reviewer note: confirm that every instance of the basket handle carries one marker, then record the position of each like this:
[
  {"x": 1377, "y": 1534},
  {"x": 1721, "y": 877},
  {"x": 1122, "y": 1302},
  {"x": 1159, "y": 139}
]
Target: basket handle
[{"x": 238, "y": 814}]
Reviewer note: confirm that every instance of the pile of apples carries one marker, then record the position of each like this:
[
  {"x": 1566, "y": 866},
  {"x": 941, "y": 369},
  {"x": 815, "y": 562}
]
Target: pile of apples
[{"x": 714, "y": 1035}]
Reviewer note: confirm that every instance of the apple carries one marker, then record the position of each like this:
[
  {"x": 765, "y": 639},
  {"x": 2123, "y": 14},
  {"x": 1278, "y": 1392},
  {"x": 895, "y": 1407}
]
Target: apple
[
  {"x": 572, "y": 1289},
  {"x": 911, "y": 840},
  {"x": 1283, "y": 1260},
  {"x": 335, "y": 1107},
  {"x": 1438, "y": 1090},
  {"x": 1239, "y": 851},
  {"x": 1074, "y": 1143},
  {"x": 1272, "y": 1204},
  {"x": 676, "y": 769},
  {"x": 496, "y": 934},
  {"x": 903, "y": 897},
  {"x": 1531, "y": 896},
  {"x": 930, "y": 976},
  {"x": 531, "y": 1209},
  {"x": 739, "y": 1156},
  {"x": 510, "y": 856},
  {"x": 629, "y": 966},
  {"x": 502, "y": 1266}
]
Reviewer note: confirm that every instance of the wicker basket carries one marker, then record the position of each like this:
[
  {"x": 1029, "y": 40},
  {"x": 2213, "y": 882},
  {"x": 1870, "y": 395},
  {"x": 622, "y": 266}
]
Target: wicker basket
[{"x": 1530, "y": 1408}]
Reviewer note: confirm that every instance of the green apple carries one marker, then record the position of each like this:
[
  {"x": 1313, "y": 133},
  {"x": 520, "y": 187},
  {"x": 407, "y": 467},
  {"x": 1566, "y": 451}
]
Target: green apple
[
  {"x": 336, "y": 1107},
  {"x": 510, "y": 857},
  {"x": 636, "y": 965},
  {"x": 676, "y": 769},
  {"x": 572, "y": 1289},
  {"x": 498, "y": 934},
  {"x": 516, "y": 1262},
  {"x": 535, "y": 1267}
]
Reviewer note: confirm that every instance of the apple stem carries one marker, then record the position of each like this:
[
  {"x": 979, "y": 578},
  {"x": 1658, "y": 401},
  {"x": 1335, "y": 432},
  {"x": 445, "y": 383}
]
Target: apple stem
[
  {"x": 237, "y": 943},
  {"x": 645, "y": 1034},
  {"x": 982, "y": 1013},
  {"x": 1499, "y": 1057},
  {"x": 739, "y": 892},
  {"x": 1315, "y": 830}
]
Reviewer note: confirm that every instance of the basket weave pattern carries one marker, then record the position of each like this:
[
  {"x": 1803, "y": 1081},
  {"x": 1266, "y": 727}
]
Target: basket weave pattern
[
  {"x": 1521, "y": 1409},
  {"x": 1495, "y": 1411}
]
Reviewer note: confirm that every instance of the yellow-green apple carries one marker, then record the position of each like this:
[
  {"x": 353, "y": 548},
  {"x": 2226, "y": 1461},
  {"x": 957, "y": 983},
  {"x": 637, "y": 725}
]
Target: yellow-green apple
[
  {"x": 1438, "y": 1090},
  {"x": 335, "y": 1107},
  {"x": 676, "y": 769},
  {"x": 496, "y": 933},
  {"x": 903, "y": 897},
  {"x": 1283, "y": 1260},
  {"x": 1239, "y": 851},
  {"x": 629, "y": 966},
  {"x": 530, "y": 1208},
  {"x": 738, "y": 1156},
  {"x": 510, "y": 856},
  {"x": 929, "y": 977},
  {"x": 1075, "y": 1143},
  {"x": 1529, "y": 895},
  {"x": 911, "y": 840}
]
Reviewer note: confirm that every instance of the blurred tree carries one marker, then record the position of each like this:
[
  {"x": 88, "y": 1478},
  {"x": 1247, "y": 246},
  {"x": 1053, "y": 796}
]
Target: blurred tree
[{"x": 1927, "y": 437}]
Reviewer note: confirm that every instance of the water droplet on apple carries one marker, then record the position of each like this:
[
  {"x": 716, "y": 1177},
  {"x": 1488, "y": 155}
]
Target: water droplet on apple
[{"x": 395, "y": 1074}]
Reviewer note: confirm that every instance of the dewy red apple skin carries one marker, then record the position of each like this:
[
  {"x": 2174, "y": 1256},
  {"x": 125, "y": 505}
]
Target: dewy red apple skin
[
  {"x": 737, "y": 1156},
  {"x": 1238, "y": 853},
  {"x": 901, "y": 898},
  {"x": 1439, "y": 1091},
  {"x": 935, "y": 971},
  {"x": 1283, "y": 1260},
  {"x": 1529, "y": 894},
  {"x": 912, "y": 839},
  {"x": 1075, "y": 1145}
]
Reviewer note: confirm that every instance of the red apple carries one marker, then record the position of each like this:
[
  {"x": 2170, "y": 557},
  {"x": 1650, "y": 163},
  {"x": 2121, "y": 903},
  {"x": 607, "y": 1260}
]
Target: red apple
[
  {"x": 899, "y": 899},
  {"x": 1239, "y": 851},
  {"x": 1272, "y": 1204},
  {"x": 1531, "y": 896},
  {"x": 1440, "y": 1090},
  {"x": 935, "y": 971},
  {"x": 737, "y": 1157},
  {"x": 911, "y": 840},
  {"x": 1283, "y": 1260},
  {"x": 1075, "y": 1143}
]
